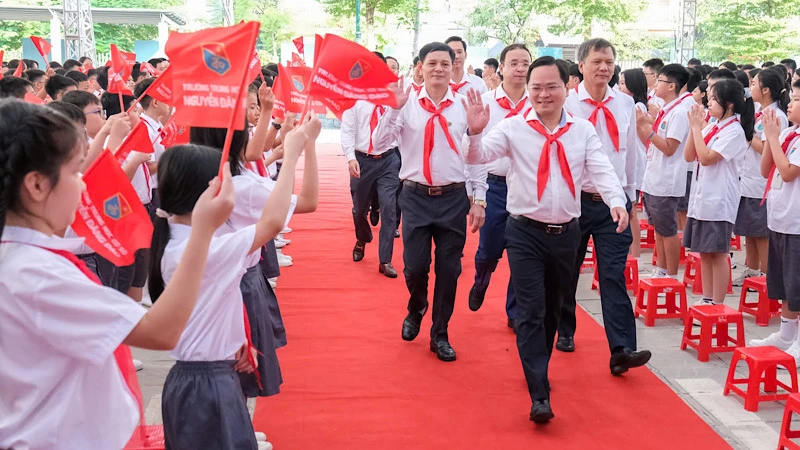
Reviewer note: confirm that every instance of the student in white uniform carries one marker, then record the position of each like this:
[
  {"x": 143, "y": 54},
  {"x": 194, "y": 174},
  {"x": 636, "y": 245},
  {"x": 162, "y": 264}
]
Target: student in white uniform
[
  {"x": 718, "y": 149},
  {"x": 60, "y": 381},
  {"x": 461, "y": 81},
  {"x": 415, "y": 80},
  {"x": 152, "y": 112},
  {"x": 202, "y": 403},
  {"x": 780, "y": 164},
  {"x": 768, "y": 89},
  {"x": 687, "y": 101},
  {"x": 651, "y": 68}
]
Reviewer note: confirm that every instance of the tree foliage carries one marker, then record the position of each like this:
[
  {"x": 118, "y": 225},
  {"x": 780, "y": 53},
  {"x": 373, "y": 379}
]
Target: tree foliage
[
  {"x": 508, "y": 21},
  {"x": 375, "y": 13},
  {"x": 639, "y": 45},
  {"x": 576, "y": 17}
]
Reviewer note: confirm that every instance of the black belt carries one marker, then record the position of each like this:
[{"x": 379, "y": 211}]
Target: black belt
[
  {"x": 385, "y": 154},
  {"x": 433, "y": 191},
  {"x": 549, "y": 228},
  {"x": 590, "y": 196},
  {"x": 498, "y": 178}
]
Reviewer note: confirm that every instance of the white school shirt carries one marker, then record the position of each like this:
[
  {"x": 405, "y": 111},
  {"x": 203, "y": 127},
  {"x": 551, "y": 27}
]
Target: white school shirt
[
  {"x": 60, "y": 386},
  {"x": 751, "y": 182},
  {"x": 687, "y": 101},
  {"x": 141, "y": 182},
  {"x": 154, "y": 132},
  {"x": 715, "y": 189},
  {"x": 215, "y": 330},
  {"x": 514, "y": 138},
  {"x": 665, "y": 176},
  {"x": 473, "y": 81},
  {"x": 641, "y": 155},
  {"x": 652, "y": 99},
  {"x": 272, "y": 169},
  {"x": 355, "y": 134},
  {"x": 406, "y": 126},
  {"x": 622, "y": 108},
  {"x": 783, "y": 199},
  {"x": 252, "y": 192},
  {"x": 497, "y": 113}
]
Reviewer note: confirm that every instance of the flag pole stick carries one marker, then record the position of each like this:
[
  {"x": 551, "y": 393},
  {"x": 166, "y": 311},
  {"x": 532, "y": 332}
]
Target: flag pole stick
[
  {"x": 121, "y": 102},
  {"x": 226, "y": 148}
]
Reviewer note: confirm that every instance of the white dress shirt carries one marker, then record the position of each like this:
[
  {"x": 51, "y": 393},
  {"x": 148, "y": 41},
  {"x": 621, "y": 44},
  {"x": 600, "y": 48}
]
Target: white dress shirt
[
  {"x": 154, "y": 131},
  {"x": 473, "y": 81},
  {"x": 355, "y": 131},
  {"x": 715, "y": 189},
  {"x": 622, "y": 107},
  {"x": 60, "y": 384},
  {"x": 652, "y": 99},
  {"x": 497, "y": 113},
  {"x": 406, "y": 126},
  {"x": 783, "y": 200},
  {"x": 665, "y": 176},
  {"x": 514, "y": 138},
  {"x": 641, "y": 155},
  {"x": 751, "y": 182}
]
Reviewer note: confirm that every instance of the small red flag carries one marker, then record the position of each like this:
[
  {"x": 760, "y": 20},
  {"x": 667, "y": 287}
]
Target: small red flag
[
  {"x": 319, "y": 41},
  {"x": 161, "y": 88},
  {"x": 110, "y": 216},
  {"x": 211, "y": 66},
  {"x": 298, "y": 43},
  {"x": 20, "y": 68},
  {"x": 297, "y": 60},
  {"x": 291, "y": 89},
  {"x": 254, "y": 69},
  {"x": 147, "y": 67},
  {"x": 42, "y": 46},
  {"x": 172, "y": 134},
  {"x": 348, "y": 71},
  {"x": 119, "y": 72},
  {"x": 138, "y": 140},
  {"x": 30, "y": 97}
]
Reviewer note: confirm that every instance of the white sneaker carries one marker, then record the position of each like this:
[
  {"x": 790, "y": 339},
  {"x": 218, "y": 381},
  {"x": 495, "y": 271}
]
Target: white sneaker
[
  {"x": 264, "y": 446},
  {"x": 280, "y": 243},
  {"x": 138, "y": 365},
  {"x": 284, "y": 261},
  {"x": 273, "y": 282},
  {"x": 655, "y": 274},
  {"x": 261, "y": 437},
  {"x": 794, "y": 350},
  {"x": 286, "y": 230},
  {"x": 748, "y": 272},
  {"x": 733, "y": 261},
  {"x": 703, "y": 303},
  {"x": 774, "y": 340}
]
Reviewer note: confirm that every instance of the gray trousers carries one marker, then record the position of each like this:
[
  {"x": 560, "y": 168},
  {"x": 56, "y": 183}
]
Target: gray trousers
[{"x": 381, "y": 176}]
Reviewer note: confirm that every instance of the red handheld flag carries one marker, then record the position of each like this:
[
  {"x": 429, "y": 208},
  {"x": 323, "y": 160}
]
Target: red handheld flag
[
  {"x": 319, "y": 42},
  {"x": 147, "y": 67},
  {"x": 348, "y": 71},
  {"x": 161, "y": 89},
  {"x": 172, "y": 134},
  {"x": 298, "y": 43},
  {"x": 254, "y": 69},
  {"x": 42, "y": 46},
  {"x": 119, "y": 72},
  {"x": 291, "y": 89},
  {"x": 110, "y": 216},
  {"x": 20, "y": 68},
  {"x": 30, "y": 97},
  {"x": 297, "y": 61},
  {"x": 137, "y": 140}
]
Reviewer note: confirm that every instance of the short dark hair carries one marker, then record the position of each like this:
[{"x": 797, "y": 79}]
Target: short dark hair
[
  {"x": 596, "y": 44},
  {"x": 548, "y": 61},
  {"x": 694, "y": 62},
  {"x": 436, "y": 47},
  {"x": 393, "y": 59},
  {"x": 30, "y": 64},
  {"x": 81, "y": 99},
  {"x": 71, "y": 64},
  {"x": 575, "y": 71},
  {"x": 767, "y": 64},
  {"x": 479, "y": 73},
  {"x": 136, "y": 72},
  {"x": 92, "y": 72},
  {"x": 72, "y": 112},
  {"x": 58, "y": 83},
  {"x": 677, "y": 74},
  {"x": 155, "y": 61},
  {"x": 748, "y": 67},
  {"x": 142, "y": 86},
  {"x": 416, "y": 60},
  {"x": 796, "y": 84},
  {"x": 695, "y": 77},
  {"x": 14, "y": 87},
  {"x": 110, "y": 103},
  {"x": 790, "y": 63},
  {"x": 517, "y": 46},
  {"x": 456, "y": 39},
  {"x": 654, "y": 63},
  {"x": 730, "y": 65},
  {"x": 83, "y": 59},
  {"x": 76, "y": 76},
  {"x": 60, "y": 72},
  {"x": 102, "y": 78},
  {"x": 492, "y": 63},
  {"x": 722, "y": 74},
  {"x": 53, "y": 65},
  {"x": 34, "y": 75}
]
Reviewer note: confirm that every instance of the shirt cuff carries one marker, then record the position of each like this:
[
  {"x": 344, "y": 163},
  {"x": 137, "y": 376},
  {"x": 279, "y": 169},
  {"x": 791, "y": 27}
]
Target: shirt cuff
[
  {"x": 351, "y": 155},
  {"x": 616, "y": 202},
  {"x": 479, "y": 193}
]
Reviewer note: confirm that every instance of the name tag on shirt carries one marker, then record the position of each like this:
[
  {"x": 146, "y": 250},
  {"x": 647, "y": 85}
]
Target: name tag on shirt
[{"x": 777, "y": 182}]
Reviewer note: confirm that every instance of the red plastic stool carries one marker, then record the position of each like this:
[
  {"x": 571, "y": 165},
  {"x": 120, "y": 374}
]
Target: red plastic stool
[
  {"x": 711, "y": 316},
  {"x": 649, "y": 241},
  {"x": 147, "y": 437},
  {"x": 792, "y": 406},
  {"x": 631, "y": 276},
  {"x": 651, "y": 287},
  {"x": 763, "y": 365},
  {"x": 764, "y": 308},
  {"x": 736, "y": 242},
  {"x": 693, "y": 276},
  {"x": 681, "y": 261}
]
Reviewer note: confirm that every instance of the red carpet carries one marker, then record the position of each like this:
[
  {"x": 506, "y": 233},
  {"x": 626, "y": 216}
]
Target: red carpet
[{"x": 352, "y": 383}]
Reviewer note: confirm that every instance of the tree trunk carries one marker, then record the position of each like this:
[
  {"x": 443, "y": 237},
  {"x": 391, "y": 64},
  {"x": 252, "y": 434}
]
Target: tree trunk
[
  {"x": 369, "y": 16},
  {"x": 275, "y": 50},
  {"x": 415, "y": 45}
]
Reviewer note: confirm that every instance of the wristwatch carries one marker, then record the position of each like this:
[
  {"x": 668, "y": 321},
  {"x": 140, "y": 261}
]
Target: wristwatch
[
  {"x": 479, "y": 202},
  {"x": 277, "y": 126}
]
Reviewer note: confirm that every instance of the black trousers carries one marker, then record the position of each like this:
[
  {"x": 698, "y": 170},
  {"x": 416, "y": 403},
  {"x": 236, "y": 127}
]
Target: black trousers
[
  {"x": 611, "y": 249},
  {"x": 441, "y": 220},
  {"x": 380, "y": 176},
  {"x": 541, "y": 270}
]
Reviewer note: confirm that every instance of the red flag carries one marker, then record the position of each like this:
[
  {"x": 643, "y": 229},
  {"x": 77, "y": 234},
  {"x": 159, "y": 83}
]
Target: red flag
[
  {"x": 42, "y": 46},
  {"x": 20, "y": 68},
  {"x": 319, "y": 41},
  {"x": 110, "y": 216},
  {"x": 30, "y": 97},
  {"x": 172, "y": 134},
  {"x": 348, "y": 71},
  {"x": 297, "y": 61},
  {"x": 87, "y": 66},
  {"x": 161, "y": 88},
  {"x": 298, "y": 43},
  {"x": 147, "y": 67},
  {"x": 291, "y": 88},
  {"x": 211, "y": 69},
  {"x": 254, "y": 69},
  {"x": 137, "y": 140},
  {"x": 119, "y": 72}
]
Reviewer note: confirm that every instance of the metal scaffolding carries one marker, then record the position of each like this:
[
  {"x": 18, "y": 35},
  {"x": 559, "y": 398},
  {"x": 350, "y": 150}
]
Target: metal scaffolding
[
  {"x": 687, "y": 31},
  {"x": 78, "y": 29}
]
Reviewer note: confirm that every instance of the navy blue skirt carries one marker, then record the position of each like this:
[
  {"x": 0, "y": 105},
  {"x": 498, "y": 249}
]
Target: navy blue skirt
[
  {"x": 203, "y": 407},
  {"x": 256, "y": 296}
]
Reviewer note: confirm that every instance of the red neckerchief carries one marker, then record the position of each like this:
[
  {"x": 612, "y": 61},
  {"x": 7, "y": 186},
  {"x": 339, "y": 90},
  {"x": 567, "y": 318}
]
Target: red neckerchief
[
  {"x": 787, "y": 142},
  {"x": 428, "y": 106},
  {"x": 456, "y": 87},
  {"x": 543, "y": 172},
  {"x": 505, "y": 103},
  {"x": 611, "y": 122},
  {"x": 377, "y": 112},
  {"x": 707, "y": 138}
]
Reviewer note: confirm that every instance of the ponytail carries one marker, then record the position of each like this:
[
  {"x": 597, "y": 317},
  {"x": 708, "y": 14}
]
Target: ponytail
[
  {"x": 731, "y": 93},
  {"x": 772, "y": 80},
  {"x": 748, "y": 117},
  {"x": 155, "y": 284}
]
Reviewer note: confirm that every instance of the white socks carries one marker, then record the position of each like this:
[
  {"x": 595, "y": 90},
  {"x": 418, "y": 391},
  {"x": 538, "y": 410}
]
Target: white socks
[
  {"x": 661, "y": 272},
  {"x": 788, "y": 329}
]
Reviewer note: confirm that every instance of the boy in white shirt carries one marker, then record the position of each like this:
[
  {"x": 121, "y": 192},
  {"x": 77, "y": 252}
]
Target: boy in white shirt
[{"x": 461, "y": 81}]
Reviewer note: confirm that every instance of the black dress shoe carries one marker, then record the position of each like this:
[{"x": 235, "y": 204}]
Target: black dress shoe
[
  {"x": 443, "y": 350},
  {"x": 374, "y": 217},
  {"x": 541, "y": 411},
  {"x": 411, "y": 326},
  {"x": 475, "y": 298},
  {"x": 512, "y": 324},
  {"x": 626, "y": 358},
  {"x": 565, "y": 344},
  {"x": 396, "y": 234},
  {"x": 387, "y": 270},
  {"x": 358, "y": 251}
]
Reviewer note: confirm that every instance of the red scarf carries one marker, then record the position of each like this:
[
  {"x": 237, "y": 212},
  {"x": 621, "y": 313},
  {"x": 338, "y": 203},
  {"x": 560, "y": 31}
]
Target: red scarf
[
  {"x": 611, "y": 122},
  {"x": 505, "y": 103},
  {"x": 428, "y": 106},
  {"x": 544, "y": 160},
  {"x": 416, "y": 87},
  {"x": 707, "y": 138},
  {"x": 787, "y": 142},
  {"x": 661, "y": 114},
  {"x": 457, "y": 87},
  {"x": 377, "y": 112}
]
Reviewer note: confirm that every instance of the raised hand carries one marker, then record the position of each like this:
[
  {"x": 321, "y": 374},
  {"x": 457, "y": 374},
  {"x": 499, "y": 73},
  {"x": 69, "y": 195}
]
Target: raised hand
[
  {"x": 642, "y": 120},
  {"x": 697, "y": 117},
  {"x": 312, "y": 125},
  {"x": 400, "y": 92},
  {"x": 477, "y": 112},
  {"x": 295, "y": 142},
  {"x": 266, "y": 97},
  {"x": 772, "y": 125}
]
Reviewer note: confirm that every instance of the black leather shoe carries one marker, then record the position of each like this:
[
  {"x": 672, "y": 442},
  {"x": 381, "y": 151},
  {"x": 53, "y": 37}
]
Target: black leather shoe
[
  {"x": 443, "y": 350},
  {"x": 475, "y": 298},
  {"x": 358, "y": 251},
  {"x": 396, "y": 234},
  {"x": 411, "y": 326},
  {"x": 374, "y": 217},
  {"x": 565, "y": 344},
  {"x": 387, "y": 270},
  {"x": 626, "y": 359},
  {"x": 541, "y": 411},
  {"x": 512, "y": 324}
]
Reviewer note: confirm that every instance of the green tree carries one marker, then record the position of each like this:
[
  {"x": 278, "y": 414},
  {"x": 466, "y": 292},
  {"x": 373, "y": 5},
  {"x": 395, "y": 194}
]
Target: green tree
[
  {"x": 373, "y": 12},
  {"x": 508, "y": 21},
  {"x": 639, "y": 45},
  {"x": 275, "y": 23},
  {"x": 576, "y": 17}
]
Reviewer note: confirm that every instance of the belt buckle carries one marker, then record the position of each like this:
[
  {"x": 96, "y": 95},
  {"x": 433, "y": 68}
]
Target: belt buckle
[
  {"x": 597, "y": 197},
  {"x": 377, "y": 156},
  {"x": 554, "y": 229},
  {"x": 434, "y": 191}
]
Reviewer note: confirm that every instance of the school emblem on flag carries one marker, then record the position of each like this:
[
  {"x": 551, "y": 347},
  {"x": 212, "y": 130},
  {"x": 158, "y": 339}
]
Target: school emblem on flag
[
  {"x": 297, "y": 80},
  {"x": 216, "y": 58},
  {"x": 359, "y": 69},
  {"x": 116, "y": 207}
]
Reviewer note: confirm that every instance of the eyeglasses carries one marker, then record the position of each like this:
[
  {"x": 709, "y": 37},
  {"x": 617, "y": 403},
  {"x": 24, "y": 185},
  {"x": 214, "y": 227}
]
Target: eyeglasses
[
  {"x": 549, "y": 89},
  {"x": 99, "y": 111},
  {"x": 664, "y": 81}
]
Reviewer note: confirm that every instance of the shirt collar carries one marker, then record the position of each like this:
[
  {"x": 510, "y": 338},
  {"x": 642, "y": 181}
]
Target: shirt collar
[
  {"x": 464, "y": 78},
  {"x": 30, "y": 236},
  {"x": 500, "y": 93},
  {"x": 179, "y": 231},
  {"x": 583, "y": 94},
  {"x": 670, "y": 106},
  {"x": 423, "y": 93},
  {"x": 722, "y": 123},
  {"x": 565, "y": 117},
  {"x": 151, "y": 122}
]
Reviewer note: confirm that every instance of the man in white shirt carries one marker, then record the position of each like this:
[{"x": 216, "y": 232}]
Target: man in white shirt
[
  {"x": 552, "y": 154},
  {"x": 651, "y": 67},
  {"x": 438, "y": 188},
  {"x": 508, "y": 100},
  {"x": 613, "y": 115},
  {"x": 461, "y": 81}
]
